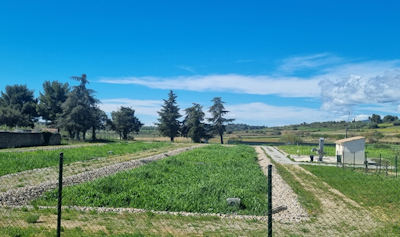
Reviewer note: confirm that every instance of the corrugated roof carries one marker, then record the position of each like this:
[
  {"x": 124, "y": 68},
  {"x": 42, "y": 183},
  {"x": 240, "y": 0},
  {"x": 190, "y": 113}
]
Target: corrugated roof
[{"x": 349, "y": 139}]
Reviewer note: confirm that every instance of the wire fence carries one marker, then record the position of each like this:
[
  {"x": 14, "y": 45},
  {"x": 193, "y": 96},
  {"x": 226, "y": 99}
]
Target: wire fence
[{"x": 308, "y": 199}]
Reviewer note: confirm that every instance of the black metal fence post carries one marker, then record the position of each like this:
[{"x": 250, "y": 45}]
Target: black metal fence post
[
  {"x": 270, "y": 200},
  {"x": 60, "y": 194}
]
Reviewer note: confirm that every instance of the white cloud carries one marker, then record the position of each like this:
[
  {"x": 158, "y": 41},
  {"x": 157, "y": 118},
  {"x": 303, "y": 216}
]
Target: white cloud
[
  {"x": 270, "y": 115},
  {"x": 361, "y": 117},
  {"x": 187, "y": 68},
  {"x": 311, "y": 61},
  {"x": 141, "y": 107},
  {"x": 354, "y": 90},
  {"x": 260, "y": 85}
]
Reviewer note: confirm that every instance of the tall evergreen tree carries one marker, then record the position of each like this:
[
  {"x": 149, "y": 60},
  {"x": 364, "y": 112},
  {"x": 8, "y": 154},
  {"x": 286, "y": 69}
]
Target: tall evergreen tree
[
  {"x": 20, "y": 102},
  {"x": 193, "y": 125},
  {"x": 124, "y": 121},
  {"x": 78, "y": 110},
  {"x": 169, "y": 124},
  {"x": 54, "y": 94},
  {"x": 217, "y": 111}
]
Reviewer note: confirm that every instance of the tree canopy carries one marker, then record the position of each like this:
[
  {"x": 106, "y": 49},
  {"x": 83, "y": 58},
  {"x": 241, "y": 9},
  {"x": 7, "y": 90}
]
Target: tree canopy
[
  {"x": 193, "y": 125},
  {"x": 218, "y": 111},
  {"x": 125, "y": 121},
  {"x": 79, "y": 109},
  {"x": 54, "y": 94},
  {"x": 20, "y": 102},
  {"x": 169, "y": 124}
]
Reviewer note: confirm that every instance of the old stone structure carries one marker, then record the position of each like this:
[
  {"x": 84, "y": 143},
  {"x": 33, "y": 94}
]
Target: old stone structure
[{"x": 27, "y": 139}]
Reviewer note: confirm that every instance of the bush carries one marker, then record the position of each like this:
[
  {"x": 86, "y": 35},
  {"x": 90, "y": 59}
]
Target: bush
[
  {"x": 32, "y": 218},
  {"x": 396, "y": 123},
  {"x": 371, "y": 125}
]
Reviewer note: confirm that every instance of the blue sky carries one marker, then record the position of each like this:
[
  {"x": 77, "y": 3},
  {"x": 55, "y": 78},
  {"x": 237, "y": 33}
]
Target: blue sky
[{"x": 272, "y": 62}]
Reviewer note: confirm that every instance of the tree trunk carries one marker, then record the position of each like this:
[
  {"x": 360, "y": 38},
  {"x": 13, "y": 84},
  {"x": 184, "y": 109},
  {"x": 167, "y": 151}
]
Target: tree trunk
[
  {"x": 222, "y": 138},
  {"x": 93, "y": 133},
  {"x": 172, "y": 139},
  {"x": 77, "y": 136}
]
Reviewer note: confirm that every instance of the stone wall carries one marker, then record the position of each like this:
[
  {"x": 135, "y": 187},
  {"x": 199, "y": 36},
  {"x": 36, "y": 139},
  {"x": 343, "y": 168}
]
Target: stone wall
[{"x": 12, "y": 139}]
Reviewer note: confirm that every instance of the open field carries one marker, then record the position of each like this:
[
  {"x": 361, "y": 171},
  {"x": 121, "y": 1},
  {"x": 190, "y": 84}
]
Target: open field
[
  {"x": 13, "y": 162},
  {"x": 339, "y": 202},
  {"x": 196, "y": 181}
]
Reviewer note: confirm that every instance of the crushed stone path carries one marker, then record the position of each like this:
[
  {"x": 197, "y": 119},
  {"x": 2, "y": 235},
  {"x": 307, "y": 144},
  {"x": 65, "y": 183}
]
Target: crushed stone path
[{"x": 282, "y": 195}]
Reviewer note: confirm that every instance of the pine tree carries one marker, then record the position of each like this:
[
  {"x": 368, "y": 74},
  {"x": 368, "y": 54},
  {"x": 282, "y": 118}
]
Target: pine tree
[
  {"x": 79, "y": 108},
  {"x": 54, "y": 94},
  {"x": 169, "y": 124},
  {"x": 193, "y": 125},
  {"x": 218, "y": 121},
  {"x": 18, "y": 103}
]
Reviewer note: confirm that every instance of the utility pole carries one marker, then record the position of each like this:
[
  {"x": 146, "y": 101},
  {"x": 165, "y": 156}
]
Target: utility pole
[{"x": 347, "y": 124}]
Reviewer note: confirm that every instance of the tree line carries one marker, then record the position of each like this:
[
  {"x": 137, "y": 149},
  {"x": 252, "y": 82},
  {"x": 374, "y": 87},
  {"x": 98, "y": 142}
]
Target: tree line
[
  {"x": 193, "y": 124},
  {"x": 76, "y": 110}
]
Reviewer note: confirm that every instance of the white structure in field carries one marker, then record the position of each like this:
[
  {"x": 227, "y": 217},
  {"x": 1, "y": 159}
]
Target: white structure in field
[{"x": 351, "y": 150}]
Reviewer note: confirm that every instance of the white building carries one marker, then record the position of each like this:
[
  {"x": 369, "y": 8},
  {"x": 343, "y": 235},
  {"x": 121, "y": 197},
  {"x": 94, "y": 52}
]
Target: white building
[{"x": 351, "y": 150}]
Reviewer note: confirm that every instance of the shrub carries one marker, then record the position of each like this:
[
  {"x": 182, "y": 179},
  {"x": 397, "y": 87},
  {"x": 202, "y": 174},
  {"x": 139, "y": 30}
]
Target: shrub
[{"x": 32, "y": 218}]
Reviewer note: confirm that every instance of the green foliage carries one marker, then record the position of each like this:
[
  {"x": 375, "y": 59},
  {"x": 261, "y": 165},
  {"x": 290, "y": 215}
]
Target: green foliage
[
  {"x": 389, "y": 119},
  {"x": 196, "y": 181},
  {"x": 78, "y": 111},
  {"x": 371, "y": 125},
  {"x": 193, "y": 125},
  {"x": 18, "y": 106},
  {"x": 291, "y": 138},
  {"x": 373, "y": 136},
  {"x": 13, "y": 162},
  {"x": 50, "y": 101},
  {"x": 169, "y": 124},
  {"x": 124, "y": 121},
  {"x": 218, "y": 111},
  {"x": 375, "y": 118},
  {"x": 32, "y": 218}
]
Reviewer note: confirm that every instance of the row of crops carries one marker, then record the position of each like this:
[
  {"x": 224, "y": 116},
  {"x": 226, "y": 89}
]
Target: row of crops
[{"x": 196, "y": 181}]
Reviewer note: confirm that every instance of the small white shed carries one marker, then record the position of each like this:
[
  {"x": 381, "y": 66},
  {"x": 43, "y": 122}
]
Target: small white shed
[{"x": 351, "y": 150}]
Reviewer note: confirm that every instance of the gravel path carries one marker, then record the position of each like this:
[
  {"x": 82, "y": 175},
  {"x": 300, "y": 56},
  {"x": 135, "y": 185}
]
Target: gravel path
[{"x": 283, "y": 196}]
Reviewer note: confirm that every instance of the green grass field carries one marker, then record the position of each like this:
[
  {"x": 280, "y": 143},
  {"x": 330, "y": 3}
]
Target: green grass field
[
  {"x": 375, "y": 192},
  {"x": 196, "y": 181},
  {"x": 13, "y": 162}
]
